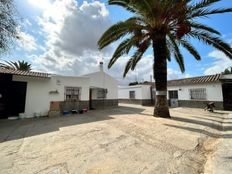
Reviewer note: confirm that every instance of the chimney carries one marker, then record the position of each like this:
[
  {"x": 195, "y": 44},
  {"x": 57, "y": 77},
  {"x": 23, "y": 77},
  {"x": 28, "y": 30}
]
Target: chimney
[{"x": 101, "y": 66}]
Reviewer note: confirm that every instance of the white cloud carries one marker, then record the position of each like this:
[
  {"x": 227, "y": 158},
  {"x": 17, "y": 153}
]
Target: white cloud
[
  {"x": 71, "y": 33},
  {"x": 143, "y": 71},
  {"x": 26, "y": 41},
  {"x": 220, "y": 63}
]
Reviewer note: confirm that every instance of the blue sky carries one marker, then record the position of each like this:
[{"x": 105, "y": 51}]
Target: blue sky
[{"x": 60, "y": 36}]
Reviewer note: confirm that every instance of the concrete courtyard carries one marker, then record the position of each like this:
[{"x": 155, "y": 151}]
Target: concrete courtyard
[{"x": 126, "y": 139}]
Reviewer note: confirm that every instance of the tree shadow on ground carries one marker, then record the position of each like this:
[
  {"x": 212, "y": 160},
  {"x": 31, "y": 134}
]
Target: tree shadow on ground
[
  {"x": 130, "y": 110},
  {"x": 218, "y": 121},
  {"x": 208, "y": 123},
  {"x": 230, "y": 157},
  {"x": 17, "y": 129}
]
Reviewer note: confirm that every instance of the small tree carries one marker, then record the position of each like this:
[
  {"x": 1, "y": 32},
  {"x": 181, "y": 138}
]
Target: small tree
[
  {"x": 133, "y": 83},
  {"x": 228, "y": 70}
]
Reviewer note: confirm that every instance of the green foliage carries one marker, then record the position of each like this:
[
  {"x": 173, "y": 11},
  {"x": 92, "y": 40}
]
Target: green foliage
[
  {"x": 8, "y": 25},
  {"x": 175, "y": 20},
  {"x": 17, "y": 65},
  {"x": 133, "y": 83},
  {"x": 228, "y": 71}
]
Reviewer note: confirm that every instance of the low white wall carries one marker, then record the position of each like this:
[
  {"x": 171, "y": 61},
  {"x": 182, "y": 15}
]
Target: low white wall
[
  {"x": 227, "y": 76},
  {"x": 146, "y": 91},
  {"x": 141, "y": 92},
  {"x": 38, "y": 97},
  {"x": 213, "y": 91},
  {"x": 103, "y": 80}
]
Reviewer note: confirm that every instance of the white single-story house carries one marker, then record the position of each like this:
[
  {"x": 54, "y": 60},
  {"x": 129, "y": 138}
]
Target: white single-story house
[
  {"x": 189, "y": 92},
  {"x": 41, "y": 94},
  {"x": 103, "y": 89}
]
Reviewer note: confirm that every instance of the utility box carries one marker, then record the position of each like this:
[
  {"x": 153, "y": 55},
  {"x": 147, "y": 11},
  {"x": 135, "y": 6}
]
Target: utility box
[{"x": 174, "y": 103}]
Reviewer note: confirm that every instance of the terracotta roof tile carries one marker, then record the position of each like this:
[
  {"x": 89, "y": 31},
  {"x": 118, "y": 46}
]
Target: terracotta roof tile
[
  {"x": 24, "y": 73},
  {"x": 192, "y": 80}
]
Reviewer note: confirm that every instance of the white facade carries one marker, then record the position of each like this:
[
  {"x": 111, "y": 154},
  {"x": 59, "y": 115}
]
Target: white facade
[
  {"x": 41, "y": 91},
  {"x": 142, "y": 92},
  {"x": 104, "y": 81},
  {"x": 213, "y": 91}
]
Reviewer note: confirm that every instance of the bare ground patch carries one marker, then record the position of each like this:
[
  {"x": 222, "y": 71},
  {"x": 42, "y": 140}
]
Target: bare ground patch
[{"x": 119, "y": 140}]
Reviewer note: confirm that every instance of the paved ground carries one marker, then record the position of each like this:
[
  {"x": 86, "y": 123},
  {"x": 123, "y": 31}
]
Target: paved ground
[{"x": 120, "y": 140}]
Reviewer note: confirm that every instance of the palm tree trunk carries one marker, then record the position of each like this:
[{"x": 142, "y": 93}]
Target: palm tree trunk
[{"x": 160, "y": 76}]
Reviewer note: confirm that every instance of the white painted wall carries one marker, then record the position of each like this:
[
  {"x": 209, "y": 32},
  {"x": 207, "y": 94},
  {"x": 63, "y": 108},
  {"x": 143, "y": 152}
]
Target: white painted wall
[
  {"x": 141, "y": 92},
  {"x": 213, "y": 91},
  {"x": 102, "y": 80},
  {"x": 227, "y": 76},
  {"x": 38, "y": 98},
  {"x": 146, "y": 91}
]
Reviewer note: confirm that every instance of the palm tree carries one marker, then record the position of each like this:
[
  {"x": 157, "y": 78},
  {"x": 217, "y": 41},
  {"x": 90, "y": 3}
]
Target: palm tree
[
  {"x": 17, "y": 65},
  {"x": 164, "y": 25}
]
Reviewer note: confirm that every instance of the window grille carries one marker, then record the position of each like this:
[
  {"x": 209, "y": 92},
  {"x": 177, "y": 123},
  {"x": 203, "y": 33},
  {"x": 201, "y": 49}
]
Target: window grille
[
  {"x": 132, "y": 94},
  {"x": 101, "y": 93},
  {"x": 72, "y": 93},
  {"x": 198, "y": 93},
  {"x": 173, "y": 94}
]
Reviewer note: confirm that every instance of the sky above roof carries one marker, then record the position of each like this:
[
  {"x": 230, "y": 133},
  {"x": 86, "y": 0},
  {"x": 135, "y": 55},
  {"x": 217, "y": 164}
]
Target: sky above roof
[{"x": 60, "y": 36}]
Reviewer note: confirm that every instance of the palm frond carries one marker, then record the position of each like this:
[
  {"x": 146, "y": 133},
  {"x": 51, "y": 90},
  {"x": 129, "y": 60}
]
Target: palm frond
[
  {"x": 117, "y": 31},
  {"x": 190, "y": 49},
  {"x": 203, "y": 4},
  {"x": 207, "y": 12},
  {"x": 213, "y": 41},
  {"x": 16, "y": 65},
  {"x": 177, "y": 54},
  {"x": 128, "y": 66},
  {"x": 123, "y": 48},
  {"x": 131, "y": 64},
  {"x": 204, "y": 27}
]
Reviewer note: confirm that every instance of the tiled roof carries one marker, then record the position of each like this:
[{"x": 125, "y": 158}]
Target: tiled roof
[
  {"x": 195, "y": 80},
  {"x": 24, "y": 73},
  {"x": 192, "y": 80}
]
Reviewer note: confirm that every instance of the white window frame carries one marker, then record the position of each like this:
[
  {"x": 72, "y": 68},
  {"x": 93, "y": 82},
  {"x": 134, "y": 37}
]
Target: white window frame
[
  {"x": 198, "y": 94},
  {"x": 74, "y": 93}
]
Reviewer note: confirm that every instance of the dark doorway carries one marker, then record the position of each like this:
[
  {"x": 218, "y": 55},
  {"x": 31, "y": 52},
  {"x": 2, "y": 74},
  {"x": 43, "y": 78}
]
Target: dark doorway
[
  {"x": 90, "y": 98},
  {"x": 227, "y": 96},
  {"x": 173, "y": 98},
  {"x": 12, "y": 96}
]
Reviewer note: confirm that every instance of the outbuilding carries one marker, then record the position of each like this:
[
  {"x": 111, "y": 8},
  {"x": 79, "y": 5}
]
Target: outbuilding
[{"x": 188, "y": 92}]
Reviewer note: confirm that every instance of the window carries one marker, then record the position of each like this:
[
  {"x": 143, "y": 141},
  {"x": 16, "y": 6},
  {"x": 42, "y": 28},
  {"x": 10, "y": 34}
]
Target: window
[
  {"x": 173, "y": 94},
  {"x": 101, "y": 93},
  {"x": 132, "y": 94},
  {"x": 198, "y": 93},
  {"x": 72, "y": 93}
]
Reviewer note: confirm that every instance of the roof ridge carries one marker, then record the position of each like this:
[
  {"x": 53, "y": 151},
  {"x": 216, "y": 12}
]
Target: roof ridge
[{"x": 196, "y": 77}]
